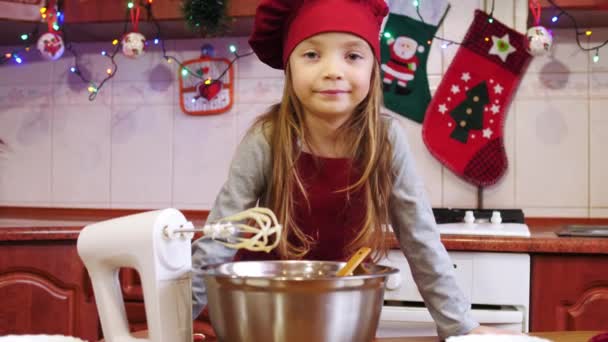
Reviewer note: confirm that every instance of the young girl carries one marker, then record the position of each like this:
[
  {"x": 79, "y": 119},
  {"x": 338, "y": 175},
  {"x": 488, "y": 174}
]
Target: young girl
[{"x": 333, "y": 169}]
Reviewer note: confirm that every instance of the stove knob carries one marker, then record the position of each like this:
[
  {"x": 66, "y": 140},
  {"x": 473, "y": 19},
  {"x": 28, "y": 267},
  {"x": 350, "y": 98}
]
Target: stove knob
[
  {"x": 496, "y": 218},
  {"x": 469, "y": 217},
  {"x": 393, "y": 282}
]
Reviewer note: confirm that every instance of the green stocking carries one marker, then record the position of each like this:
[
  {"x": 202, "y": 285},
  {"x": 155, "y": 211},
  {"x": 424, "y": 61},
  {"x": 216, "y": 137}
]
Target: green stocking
[{"x": 405, "y": 49}]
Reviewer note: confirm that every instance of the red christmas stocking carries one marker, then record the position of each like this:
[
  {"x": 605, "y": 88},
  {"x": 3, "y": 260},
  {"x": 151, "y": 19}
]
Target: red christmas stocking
[{"x": 463, "y": 125}]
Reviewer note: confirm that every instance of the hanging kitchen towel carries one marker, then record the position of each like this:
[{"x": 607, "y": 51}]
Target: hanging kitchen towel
[
  {"x": 406, "y": 42},
  {"x": 464, "y": 122}
]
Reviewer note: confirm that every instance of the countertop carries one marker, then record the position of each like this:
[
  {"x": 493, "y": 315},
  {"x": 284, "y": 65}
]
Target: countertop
[{"x": 542, "y": 240}]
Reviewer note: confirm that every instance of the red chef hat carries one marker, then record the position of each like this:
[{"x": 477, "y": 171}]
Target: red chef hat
[{"x": 280, "y": 25}]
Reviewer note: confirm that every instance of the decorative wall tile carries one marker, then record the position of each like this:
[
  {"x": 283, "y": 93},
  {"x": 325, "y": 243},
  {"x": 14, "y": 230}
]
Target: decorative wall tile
[
  {"x": 143, "y": 93},
  {"x": 260, "y": 90},
  {"x": 456, "y": 24},
  {"x": 81, "y": 156},
  {"x": 33, "y": 71},
  {"x": 598, "y": 37},
  {"x": 598, "y": 140},
  {"x": 551, "y": 146},
  {"x": 598, "y": 212},
  {"x": 25, "y": 166},
  {"x": 599, "y": 85},
  {"x": 427, "y": 167},
  {"x": 555, "y": 212},
  {"x": 142, "y": 161},
  {"x": 203, "y": 149},
  {"x": 553, "y": 86},
  {"x": 246, "y": 115},
  {"x": 19, "y": 95}
]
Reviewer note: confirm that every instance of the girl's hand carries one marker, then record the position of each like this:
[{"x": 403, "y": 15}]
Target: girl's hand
[{"x": 483, "y": 330}]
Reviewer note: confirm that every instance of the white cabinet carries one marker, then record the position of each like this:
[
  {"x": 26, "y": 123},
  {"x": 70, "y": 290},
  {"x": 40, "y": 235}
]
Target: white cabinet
[{"x": 497, "y": 285}]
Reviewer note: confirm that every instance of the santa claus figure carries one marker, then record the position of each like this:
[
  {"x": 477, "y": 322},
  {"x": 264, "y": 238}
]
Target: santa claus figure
[{"x": 402, "y": 64}]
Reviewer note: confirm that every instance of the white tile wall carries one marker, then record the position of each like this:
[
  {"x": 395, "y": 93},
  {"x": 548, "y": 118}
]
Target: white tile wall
[
  {"x": 25, "y": 171},
  {"x": 133, "y": 147},
  {"x": 597, "y": 153},
  {"x": 141, "y": 179},
  {"x": 81, "y": 155}
]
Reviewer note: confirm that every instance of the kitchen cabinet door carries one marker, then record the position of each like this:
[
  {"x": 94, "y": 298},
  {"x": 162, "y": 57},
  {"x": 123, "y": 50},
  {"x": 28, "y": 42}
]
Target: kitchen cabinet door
[
  {"x": 569, "y": 292},
  {"x": 44, "y": 289}
]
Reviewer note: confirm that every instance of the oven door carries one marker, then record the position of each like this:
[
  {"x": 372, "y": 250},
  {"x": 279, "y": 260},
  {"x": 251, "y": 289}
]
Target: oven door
[{"x": 402, "y": 321}]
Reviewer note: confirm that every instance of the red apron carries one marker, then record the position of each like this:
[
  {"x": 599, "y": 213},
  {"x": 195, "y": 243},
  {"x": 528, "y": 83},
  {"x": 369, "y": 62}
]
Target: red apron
[{"x": 334, "y": 218}]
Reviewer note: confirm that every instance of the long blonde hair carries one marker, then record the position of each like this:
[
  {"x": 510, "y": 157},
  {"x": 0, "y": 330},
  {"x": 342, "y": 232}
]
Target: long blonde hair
[{"x": 370, "y": 149}]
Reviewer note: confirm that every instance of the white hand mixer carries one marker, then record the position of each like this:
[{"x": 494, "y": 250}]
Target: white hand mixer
[{"x": 157, "y": 245}]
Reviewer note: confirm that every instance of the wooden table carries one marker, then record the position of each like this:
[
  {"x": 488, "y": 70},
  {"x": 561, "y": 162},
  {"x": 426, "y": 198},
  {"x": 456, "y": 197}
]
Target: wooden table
[{"x": 558, "y": 336}]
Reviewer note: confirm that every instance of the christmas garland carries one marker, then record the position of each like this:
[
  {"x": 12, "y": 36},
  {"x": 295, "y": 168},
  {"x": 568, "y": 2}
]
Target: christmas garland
[{"x": 206, "y": 16}]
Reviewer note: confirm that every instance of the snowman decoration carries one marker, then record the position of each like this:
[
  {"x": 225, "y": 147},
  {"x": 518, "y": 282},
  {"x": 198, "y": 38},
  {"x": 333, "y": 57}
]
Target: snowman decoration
[
  {"x": 133, "y": 44},
  {"x": 539, "y": 41},
  {"x": 51, "y": 46},
  {"x": 402, "y": 63}
]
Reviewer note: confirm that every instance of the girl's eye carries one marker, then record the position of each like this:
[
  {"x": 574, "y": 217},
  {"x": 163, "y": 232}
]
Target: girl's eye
[
  {"x": 354, "y": 56},
  {"x": 311, "y": 55}
]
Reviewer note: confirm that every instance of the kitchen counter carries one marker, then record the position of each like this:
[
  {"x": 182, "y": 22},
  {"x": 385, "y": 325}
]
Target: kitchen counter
[{"x": 542, "y": 240}]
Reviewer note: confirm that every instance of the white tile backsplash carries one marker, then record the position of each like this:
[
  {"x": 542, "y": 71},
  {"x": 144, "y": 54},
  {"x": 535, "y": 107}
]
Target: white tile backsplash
[
  {"x": 428, "y": 168},
  {"x": 553, "y": 85},
  {"x": 456, "y": 24},
  {"x": 552, "y": 167},
  {"x": 25, "y": 167},
  {"x": 132, "y": 147},
  {"x": 598, "y": 140},
  {"x": 259, "y": 90},
  {"x": 598, "y": 88},
  {"x": 81, "y": 156},
  {"x": 203, "y": 149},
  {"x": 159, "y": 92},
  {"x": 142, "y": 179}
]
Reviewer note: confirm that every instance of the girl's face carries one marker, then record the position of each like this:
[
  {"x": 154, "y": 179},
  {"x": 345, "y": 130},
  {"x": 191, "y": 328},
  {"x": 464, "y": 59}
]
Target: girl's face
[{"x": 331, "y": 74}]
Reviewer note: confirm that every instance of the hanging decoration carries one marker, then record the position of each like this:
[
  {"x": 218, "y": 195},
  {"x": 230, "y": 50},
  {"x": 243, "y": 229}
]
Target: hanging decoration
[
  {"x": 405, "y": 49},
  {"x": 133, "y": 43},
  {"x": 50, "y": 44},
  {"x": 211, "y": 89},
  {"x": 464, "y": 123},
  {"x": 205, "y": 16},
  {"x": 538, "y": 38}
]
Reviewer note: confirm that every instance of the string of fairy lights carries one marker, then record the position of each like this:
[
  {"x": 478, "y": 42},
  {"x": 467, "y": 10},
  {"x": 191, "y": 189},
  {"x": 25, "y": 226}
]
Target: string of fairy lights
[
  {"x": 52, "y": 13},
  {"x": 93, "y": 87},
  {"x": 555, "y": 7}
]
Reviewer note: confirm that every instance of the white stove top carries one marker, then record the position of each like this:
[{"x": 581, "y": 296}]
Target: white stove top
[{"x": 485, "y": 228}]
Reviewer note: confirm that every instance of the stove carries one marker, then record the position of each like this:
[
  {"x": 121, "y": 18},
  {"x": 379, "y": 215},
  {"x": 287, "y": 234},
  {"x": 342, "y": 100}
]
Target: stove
[{"x": 483, "y": 222}]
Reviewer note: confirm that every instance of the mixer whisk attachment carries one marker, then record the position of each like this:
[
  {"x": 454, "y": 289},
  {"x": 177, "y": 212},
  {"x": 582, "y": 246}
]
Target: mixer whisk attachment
[{"x": 256, "y": 229}]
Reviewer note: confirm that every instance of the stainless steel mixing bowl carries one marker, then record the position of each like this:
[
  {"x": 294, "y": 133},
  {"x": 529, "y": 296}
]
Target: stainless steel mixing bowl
[{"x": 293, "y": 301}]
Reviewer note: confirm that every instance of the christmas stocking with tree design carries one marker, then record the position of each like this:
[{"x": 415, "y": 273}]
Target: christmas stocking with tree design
[
  {"x": 405, "y": 47},
  {"x": 464, "y": 122}
]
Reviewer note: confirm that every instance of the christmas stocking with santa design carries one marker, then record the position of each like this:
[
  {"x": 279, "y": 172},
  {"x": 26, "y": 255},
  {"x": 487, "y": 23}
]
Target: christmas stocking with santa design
[
  {"x": 464, "y": 122},
  {"x": 405, "y": 46}
]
